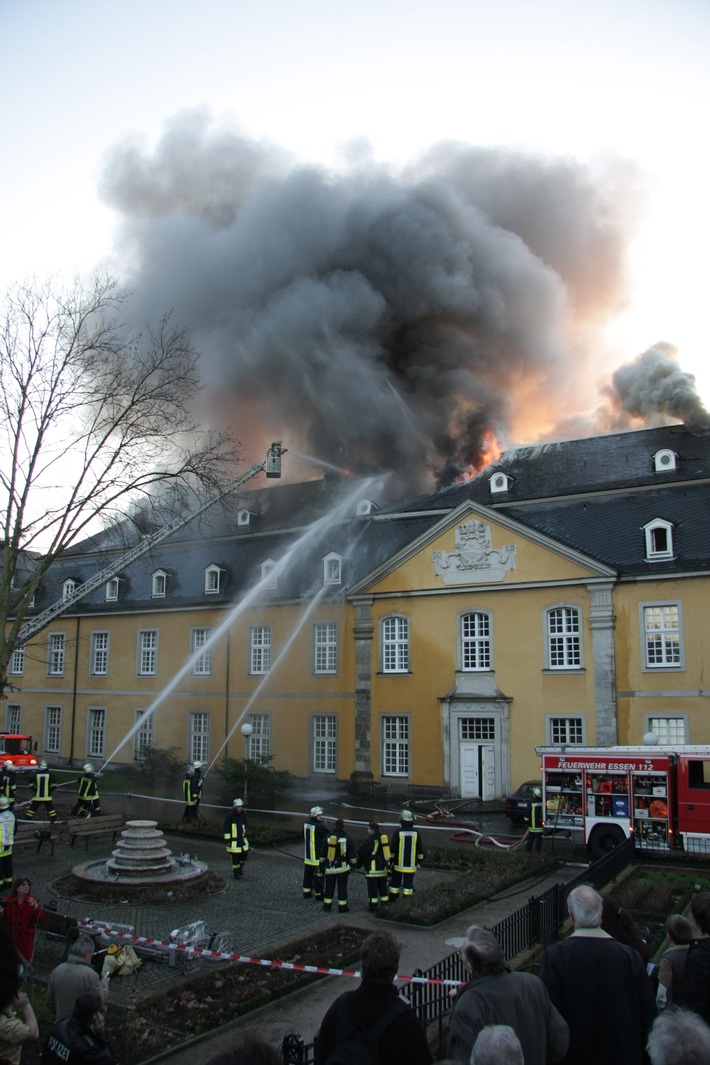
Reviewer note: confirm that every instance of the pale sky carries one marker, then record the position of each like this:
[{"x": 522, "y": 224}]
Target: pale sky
[{"x": 322, "y": 79}]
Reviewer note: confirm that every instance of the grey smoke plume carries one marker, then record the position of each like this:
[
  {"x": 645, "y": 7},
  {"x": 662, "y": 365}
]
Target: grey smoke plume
[
  {"x": 654, "y": 385},
  {"x": 374, "y": 319}
]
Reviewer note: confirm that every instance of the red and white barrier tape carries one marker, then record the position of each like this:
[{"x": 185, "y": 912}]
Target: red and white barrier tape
[{"x": 266, "y": 963}]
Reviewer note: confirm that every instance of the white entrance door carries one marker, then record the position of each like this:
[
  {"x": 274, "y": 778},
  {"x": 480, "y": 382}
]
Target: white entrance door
[{"x": 478, "y": 770}]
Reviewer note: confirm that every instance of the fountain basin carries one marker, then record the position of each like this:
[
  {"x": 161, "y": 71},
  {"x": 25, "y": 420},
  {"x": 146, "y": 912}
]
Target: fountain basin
[{"x": 141, "y": 858}]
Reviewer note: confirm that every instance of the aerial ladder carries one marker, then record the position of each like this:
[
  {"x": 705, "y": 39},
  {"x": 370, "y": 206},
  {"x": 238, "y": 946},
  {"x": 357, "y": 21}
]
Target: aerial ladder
[{"x": 271, "y": 466}]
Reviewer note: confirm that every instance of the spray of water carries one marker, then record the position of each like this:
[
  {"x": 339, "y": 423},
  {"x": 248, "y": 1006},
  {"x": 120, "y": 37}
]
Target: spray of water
[
  {"x": 319, "y": 462},
  {"x": 310, "y": 536}
]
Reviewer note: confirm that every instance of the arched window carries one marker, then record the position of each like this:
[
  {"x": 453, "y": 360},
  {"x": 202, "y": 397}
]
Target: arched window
[{"x": 475, "y": 640}]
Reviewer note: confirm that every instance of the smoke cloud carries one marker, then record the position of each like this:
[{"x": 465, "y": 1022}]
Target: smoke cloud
[{"x": 377, "y": 319}]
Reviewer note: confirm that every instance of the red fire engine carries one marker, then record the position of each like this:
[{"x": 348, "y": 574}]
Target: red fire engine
[
  {"x": 17, "y": 749},
  {"x": 602, "y": 795}
]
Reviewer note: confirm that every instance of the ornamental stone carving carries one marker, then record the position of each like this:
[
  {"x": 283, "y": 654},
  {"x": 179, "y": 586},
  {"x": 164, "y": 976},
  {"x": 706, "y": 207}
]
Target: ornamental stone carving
[{"x": 474, "y": 559}]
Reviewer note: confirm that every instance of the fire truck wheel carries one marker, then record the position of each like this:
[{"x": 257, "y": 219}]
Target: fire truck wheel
[{"x": 604, "y": 838}]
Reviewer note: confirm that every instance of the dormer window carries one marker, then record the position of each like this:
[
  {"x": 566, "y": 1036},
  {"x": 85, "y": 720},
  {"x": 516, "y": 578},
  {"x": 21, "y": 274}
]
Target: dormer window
[
  {"x": 268, "y": 577},
  {"x": 159, "y": 584},
  {"x": 500, "y": 482},
  {"x": 213, "y": 580},
  {"x": 365, "y": 507},
  {"x": 68, "y": 588},
  {"x": 112, "y": 589},
  {"x": 244, "y": 516},
  {"x": 665, "y": 460},
  {"x": 332, "y": 568},
  {"x": 659, "y": 540}
]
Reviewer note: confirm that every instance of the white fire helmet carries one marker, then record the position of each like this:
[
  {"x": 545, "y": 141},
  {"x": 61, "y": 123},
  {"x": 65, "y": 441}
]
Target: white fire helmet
[
  {"x": 42, "y": 765},
  {"x": 537, "y": 792},
  {"x": 88, "y": 768},
  {"x": 197, "y": 765},
  {"x": 4, "y": 802},
  {"x": 8, "y": 765},
  {"x": 316, "y": 811},
  {"x": 407, "y": 815},
  {"x": 237, "y": 802}
]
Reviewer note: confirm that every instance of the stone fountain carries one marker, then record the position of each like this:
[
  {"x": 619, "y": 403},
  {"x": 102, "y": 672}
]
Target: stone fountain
[{"x": 141, "y": 858}]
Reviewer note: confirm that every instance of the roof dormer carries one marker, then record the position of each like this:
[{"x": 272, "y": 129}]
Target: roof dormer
[
  {"x": 499, "y": 482},
  {"x": 365, "y": 507},
  {"x": 159, "y": 584},
  {"x": 659, "y": 540},
  {"x": 244, "y": 516},
  {"x": 665, "y": 461},
  {"x": 213, "y": 579}
]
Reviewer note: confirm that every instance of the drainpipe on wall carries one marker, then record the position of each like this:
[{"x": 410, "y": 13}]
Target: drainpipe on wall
[
  {"x": 73, "y": 696},
  {"x": 226, "y": 698}
]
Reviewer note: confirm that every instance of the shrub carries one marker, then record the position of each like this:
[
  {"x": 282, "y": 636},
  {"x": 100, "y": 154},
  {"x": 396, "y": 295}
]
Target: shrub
[
  {"x": 263, "y": 784},
  {"x": 158, "y": 763}
]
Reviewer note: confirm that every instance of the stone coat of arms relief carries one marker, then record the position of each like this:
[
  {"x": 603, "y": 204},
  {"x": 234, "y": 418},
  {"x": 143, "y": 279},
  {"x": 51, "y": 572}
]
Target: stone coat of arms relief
[{"x": 474, "y": 558}]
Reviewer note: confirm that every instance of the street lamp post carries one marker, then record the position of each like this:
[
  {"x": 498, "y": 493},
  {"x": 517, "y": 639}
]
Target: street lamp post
[{"x": 246, "y": 733}]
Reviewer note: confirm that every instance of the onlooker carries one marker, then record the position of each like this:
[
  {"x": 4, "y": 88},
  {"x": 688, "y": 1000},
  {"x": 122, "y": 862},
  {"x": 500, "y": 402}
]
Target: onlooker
[
  {"x": 252, "y": 1052},
  {"x": 534, "y": 822},
  {"x": 697, "y": 965},
  {"x": 14, "y": 1033},
  {"x": 338, "y": 860},
  {"x": 407, "y": 855},
  {"x": 374, "y": 1014},
  {"x": 374, "y": 856},
  {"x": 671, "y": 973},
  {"x": 234, "y": 830},
  {"x": 74, "y": 977},
  {"x": 600, "y": 987},
  {"x": 621, "y": 925},
  {"x": 10, "y": 965},
  {"x": 497, "y": 1044},
  {"x": 23, "y": 913},
  {"x": 315, "y": 833},
  {"x": 494, "y": 995},
  {"x": 679, "y": 1037},
  {"x": 80, "y": 1038}
]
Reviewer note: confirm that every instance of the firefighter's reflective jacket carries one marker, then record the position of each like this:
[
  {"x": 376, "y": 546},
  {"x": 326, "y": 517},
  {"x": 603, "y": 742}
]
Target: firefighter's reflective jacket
[
  {"x": 88, "y": 787},
  {"x": 339, "y": 854},
  {"x": 407, "y": 850},
  {"x": 315, "y": 833},
  {"x": 7, "y": 832},
  {"x": 44, "y": 786},
  {"x": 374, "y": 855},
  {"x": 8, "y": 786},
  {"x": 234, "y": 831},
  {"x": 190, "y": 792}
]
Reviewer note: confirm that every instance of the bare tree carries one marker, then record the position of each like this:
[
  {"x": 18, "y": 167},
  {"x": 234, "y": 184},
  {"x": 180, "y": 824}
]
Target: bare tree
[{"x": 93, "y": 418}]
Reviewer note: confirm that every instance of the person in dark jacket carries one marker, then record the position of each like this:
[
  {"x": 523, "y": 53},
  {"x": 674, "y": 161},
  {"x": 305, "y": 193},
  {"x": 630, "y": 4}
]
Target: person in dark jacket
[
  {"x": 42, "y": 803},
  {"x": 403, "y": 1040},
  {"x": 374, "y": 856},
  {"x": 8, "y": 783},
  {"x": 315, "y": 833},
  {"x": 81, "y": 1039},
  {"x": 407, "y": 854},
  {"x": 534, "y": 822},
  {"x": 671, "y": 972},
  {"x": 600, "y": 987},
  {"x": 234, "y": 830},
  {"x": 697, "y": 965},
  {"x": 190, "y": 793},
  {"x": 88, "y": 800},
  {"x": 493, "y": 995},
  {"x": 338, "y": 859}
]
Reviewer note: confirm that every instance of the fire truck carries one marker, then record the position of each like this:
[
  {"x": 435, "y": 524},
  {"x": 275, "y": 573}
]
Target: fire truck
[
  {"x": 18, "y": 749},
  {"x": 603, "y": 795}
]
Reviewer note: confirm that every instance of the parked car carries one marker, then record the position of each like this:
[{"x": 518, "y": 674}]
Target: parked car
[{"x": 517, "y": 805}]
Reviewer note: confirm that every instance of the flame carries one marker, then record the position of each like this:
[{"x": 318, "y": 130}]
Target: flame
[{"x": 489, "y": 452}]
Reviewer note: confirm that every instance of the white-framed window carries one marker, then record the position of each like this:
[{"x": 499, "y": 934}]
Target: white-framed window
[
  {"x": 202, "y": 664},
  {"x": 324, "y": 743},
  {"x": 268, "y": 577},
  {"x": 99, "y": 654},
  {"x": 479, "y": 729},
  {"x": 144, "y": 735},
  {"x": 13, "y": 717},
  {"x": 17, "y": 662},
  {"x": 213, "y": 580},
  {"x": 395, "y": 745},
  {"x": 659, "y": 540},
  {"x": 662, "y": 627},
  {"x": 68, "y": 588},
  {"x": 325, "y": 647},
  {"x": 566, "y": 731},
  {"x": 476, "y": 641},
  {"x": 259, "y": 743},
  {"x": 670, "y": 729},
  {"x": 395, "y": 644},
  {"x": 96, "y": 732},
  {"x": 332, "y": 568},
  {"x": 260, "y": 650},
  {"x": 199, "y": 738},
  {"x": 57, "y": 650},
  {"x": 147, "y": 652},
  {"x": 159, "y": 584},
  {"x": 53, "y": 729},
  {"x": 564, "y": 638},
  {"x": 112, "y": 589}
]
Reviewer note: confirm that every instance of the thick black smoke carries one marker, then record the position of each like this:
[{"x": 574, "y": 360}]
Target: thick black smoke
[
  {"x": 654, "y": 386},
  {"x": 376, "y": 319}
]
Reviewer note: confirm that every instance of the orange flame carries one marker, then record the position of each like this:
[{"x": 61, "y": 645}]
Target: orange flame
[{"x": 490, "y": 452}]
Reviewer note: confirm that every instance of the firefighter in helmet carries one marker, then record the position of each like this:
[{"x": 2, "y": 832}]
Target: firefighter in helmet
[
  {"x": 315, "y": 834},
  {"x": 534, "y": 822},
  {"x": 198, "y": 783},
  {"x": 88, "y": 800},
  {"x": 234, "y": 830},
  {"x": 190, "y": 794},
  {"x": 338, "y": 859},
  {"x": 8, "y": 784},
  {"x": 7, "y": 838},
  {"x": 407, "y": 854},
  {"x": 374, "y": 856},
  {"x": 42, "y": 802}
]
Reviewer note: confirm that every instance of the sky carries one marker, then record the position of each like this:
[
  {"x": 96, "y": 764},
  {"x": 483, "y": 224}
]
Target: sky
[{"x": 618, "y": 88}]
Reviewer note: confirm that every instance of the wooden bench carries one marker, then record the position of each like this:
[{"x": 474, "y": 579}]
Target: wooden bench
[
  {"x": 34, "y": 838},
  {"x": 87, "y": 827}
]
